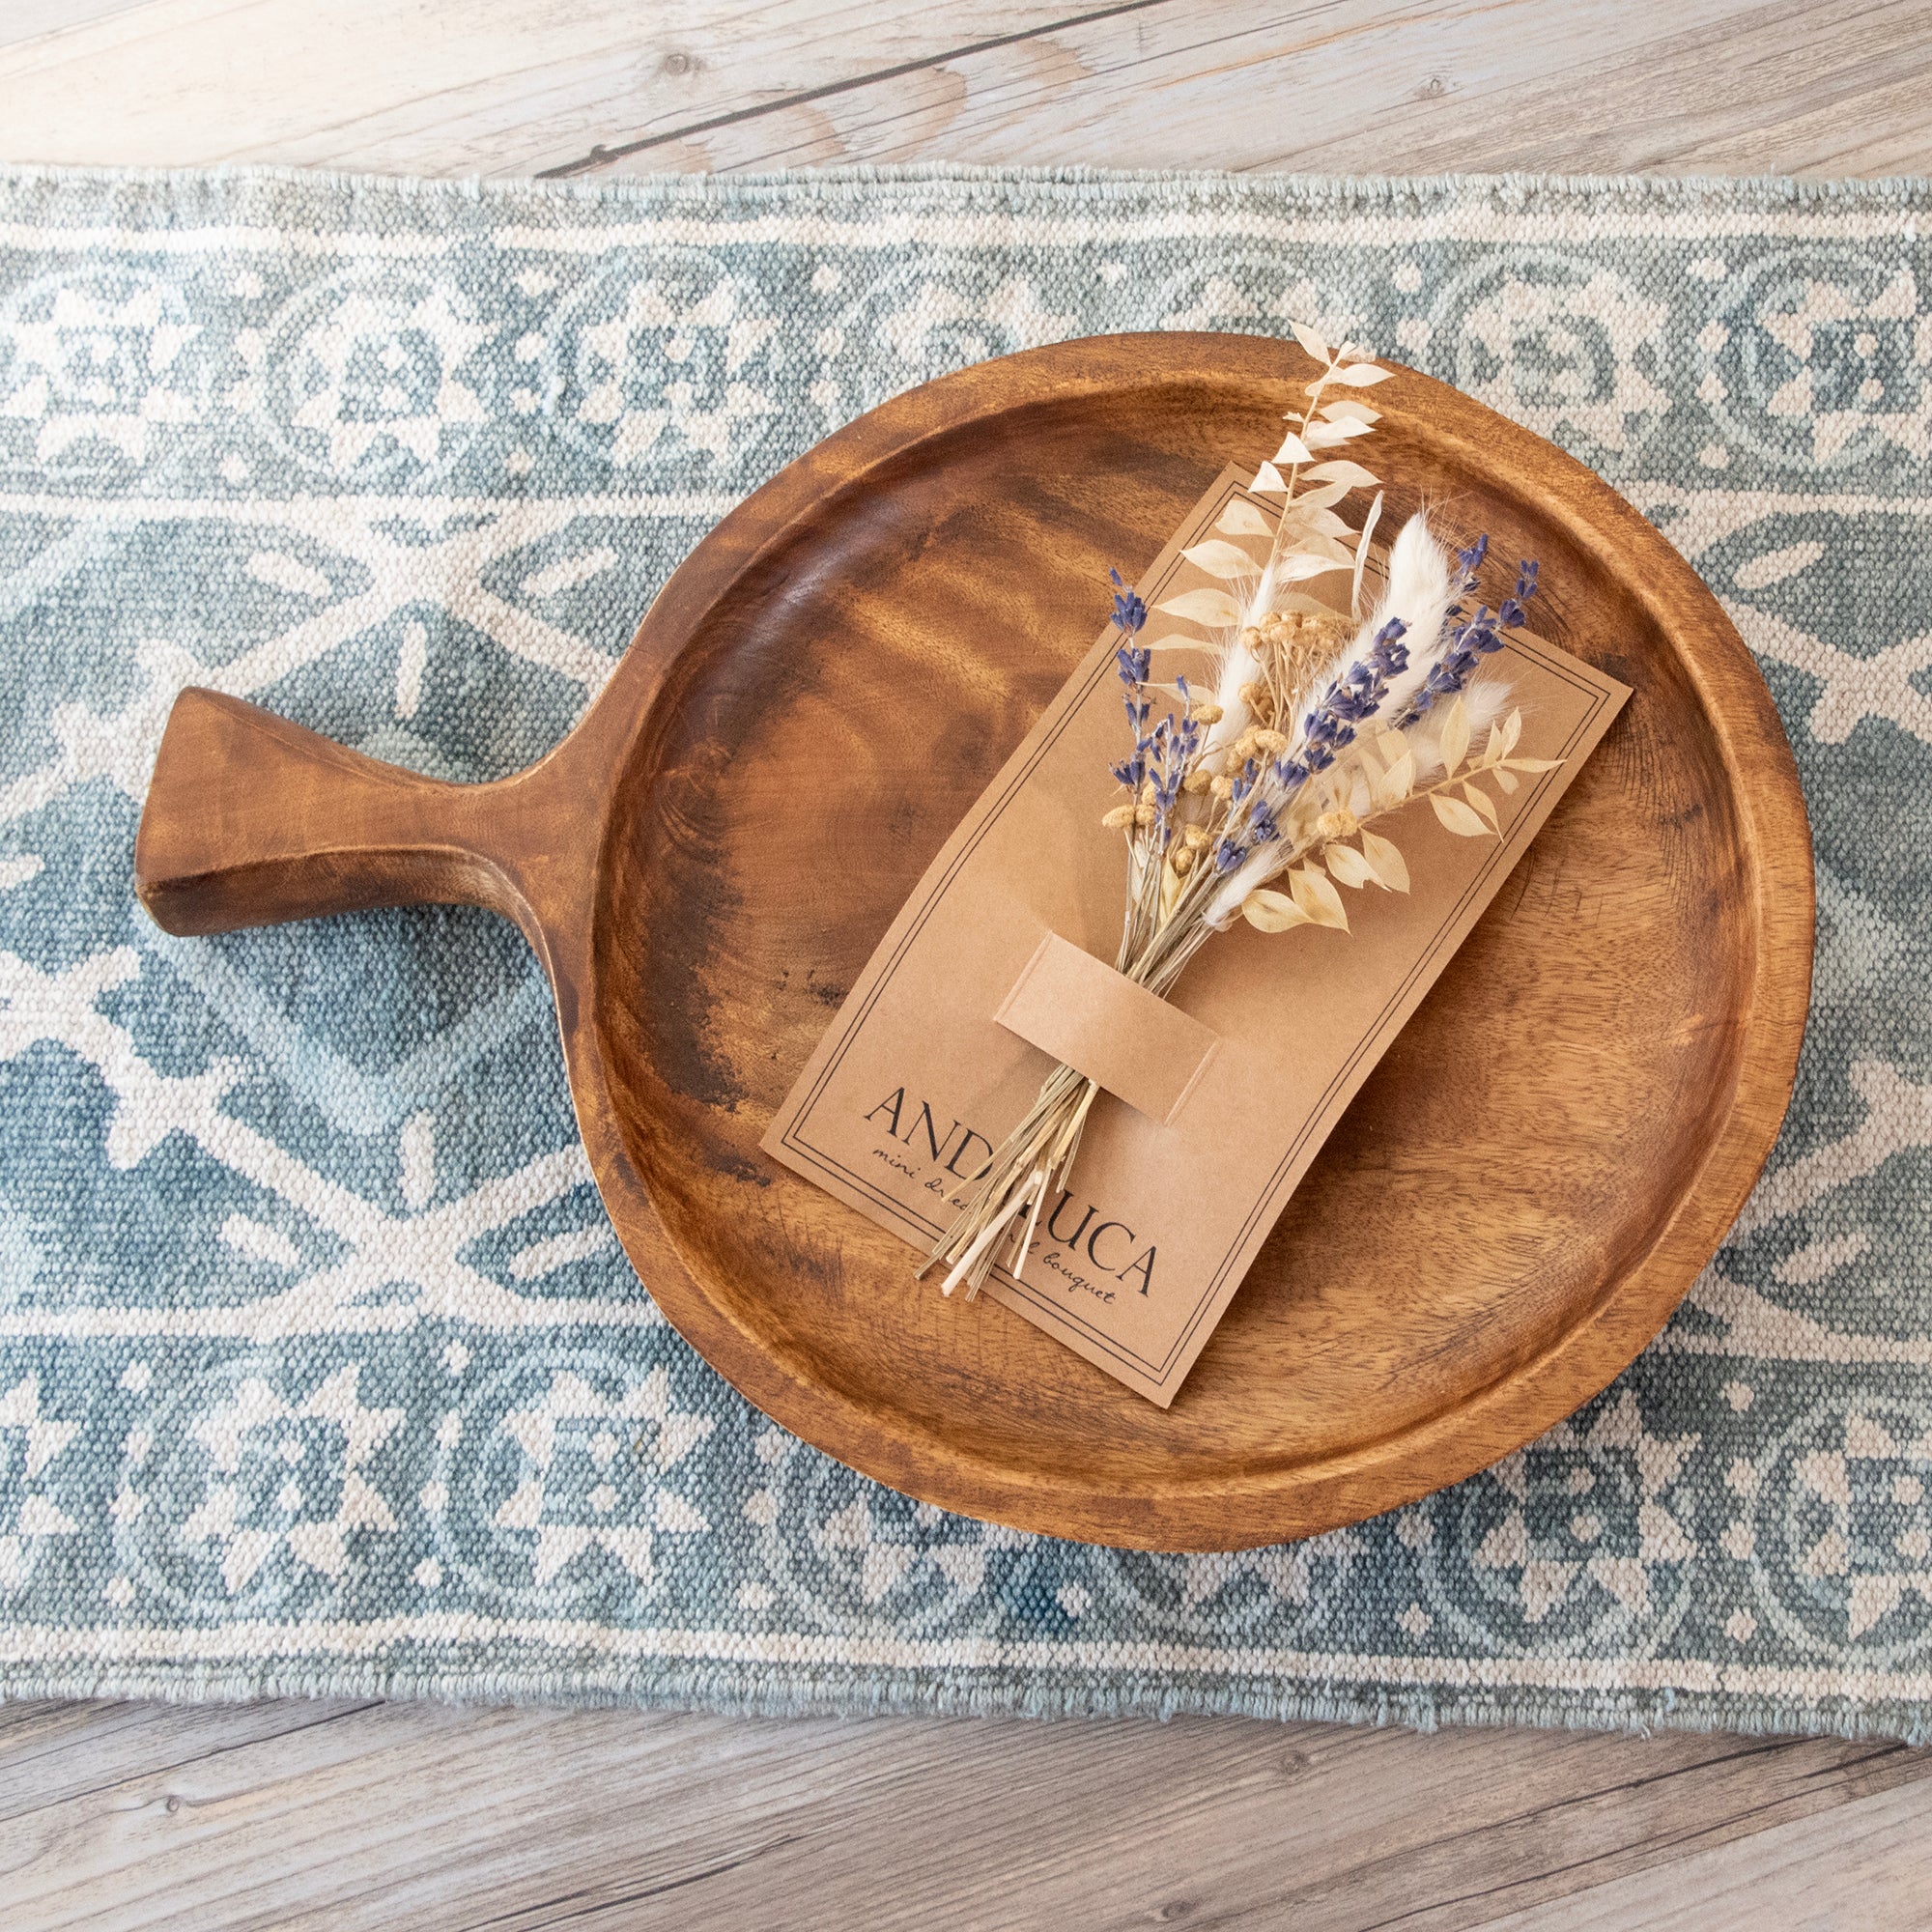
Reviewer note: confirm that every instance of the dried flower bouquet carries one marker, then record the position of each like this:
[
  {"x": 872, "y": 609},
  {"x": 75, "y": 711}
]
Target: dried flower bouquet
[{"x": 1319, "y": 727}]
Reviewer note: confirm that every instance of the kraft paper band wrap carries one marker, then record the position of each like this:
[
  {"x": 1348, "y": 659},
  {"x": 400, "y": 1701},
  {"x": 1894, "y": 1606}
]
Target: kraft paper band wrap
[{"x": 1078, "y": 1010}]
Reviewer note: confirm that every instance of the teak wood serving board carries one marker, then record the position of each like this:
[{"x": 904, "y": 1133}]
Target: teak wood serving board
[{"x": 1517, "y": 1199}]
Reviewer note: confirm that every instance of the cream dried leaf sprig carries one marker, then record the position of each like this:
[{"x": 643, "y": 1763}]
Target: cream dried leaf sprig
[
  {"x": 1374, "y": 860},
  {"x": 1318, "y": 727}
]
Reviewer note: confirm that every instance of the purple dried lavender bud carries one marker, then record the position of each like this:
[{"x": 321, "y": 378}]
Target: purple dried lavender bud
[
  {"x": 1129, "y": 613},
  {"x": 1388, "y": 655},
  {"x": 1353, "y": 703},
  {"x": 1325, "y": 729}
]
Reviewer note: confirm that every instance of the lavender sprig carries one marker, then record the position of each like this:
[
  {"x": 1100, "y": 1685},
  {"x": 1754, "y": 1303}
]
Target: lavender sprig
[
  {"x": 1471, "y": 642},
  {"x": 1162, "y": 758},
  {"x": 1132, "y": 663}
]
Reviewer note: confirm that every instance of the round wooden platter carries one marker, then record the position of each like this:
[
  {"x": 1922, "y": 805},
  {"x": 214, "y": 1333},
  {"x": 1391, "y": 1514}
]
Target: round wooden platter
[{"x": 1509, "y": 1211}]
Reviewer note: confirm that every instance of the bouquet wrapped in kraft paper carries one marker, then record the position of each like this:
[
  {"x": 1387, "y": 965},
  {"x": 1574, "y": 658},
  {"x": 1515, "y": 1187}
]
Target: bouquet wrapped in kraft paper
[{"x": 1093, "y": 1102}]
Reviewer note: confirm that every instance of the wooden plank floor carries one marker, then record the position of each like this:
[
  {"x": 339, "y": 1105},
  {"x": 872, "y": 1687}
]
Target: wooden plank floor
[
  {"x": 379, "y": 1815},
  {"x": 405, "y": 1816}
]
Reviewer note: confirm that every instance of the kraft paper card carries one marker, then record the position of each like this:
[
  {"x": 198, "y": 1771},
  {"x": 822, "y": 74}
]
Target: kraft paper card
[{"x": 1001, "y": 963}]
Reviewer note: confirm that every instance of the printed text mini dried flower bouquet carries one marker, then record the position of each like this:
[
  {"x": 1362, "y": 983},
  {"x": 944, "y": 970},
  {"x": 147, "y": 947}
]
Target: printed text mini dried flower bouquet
[{"x": 1319, "y": 727}]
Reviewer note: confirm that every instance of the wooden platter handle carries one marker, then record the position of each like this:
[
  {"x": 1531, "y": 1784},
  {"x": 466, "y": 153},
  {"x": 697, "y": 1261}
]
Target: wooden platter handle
[{"x": 251, "y": 820}]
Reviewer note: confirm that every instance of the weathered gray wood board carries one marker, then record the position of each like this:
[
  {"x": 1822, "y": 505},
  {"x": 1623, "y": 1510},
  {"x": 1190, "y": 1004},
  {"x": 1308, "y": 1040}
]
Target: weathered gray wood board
[
  {"x": 392, "y": 1816},
  {"x": 513, "y": 87}
]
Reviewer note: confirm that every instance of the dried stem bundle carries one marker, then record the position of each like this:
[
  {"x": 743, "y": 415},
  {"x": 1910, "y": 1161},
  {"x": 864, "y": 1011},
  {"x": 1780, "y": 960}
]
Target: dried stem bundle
[{"x": 1319, "y": 726}]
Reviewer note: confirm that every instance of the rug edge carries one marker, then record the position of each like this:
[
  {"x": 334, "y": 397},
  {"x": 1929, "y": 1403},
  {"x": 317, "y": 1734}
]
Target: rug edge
[
  {"x": 1514, "y": 188},
  {"x": 798, "y": 1692}
]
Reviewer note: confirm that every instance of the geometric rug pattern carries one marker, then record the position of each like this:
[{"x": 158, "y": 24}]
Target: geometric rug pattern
[{"x": 320, "y": 1368}]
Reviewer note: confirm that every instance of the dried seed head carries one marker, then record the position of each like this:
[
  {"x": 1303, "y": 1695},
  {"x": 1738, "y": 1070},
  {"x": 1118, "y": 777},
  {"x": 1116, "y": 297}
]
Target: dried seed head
[
  {"x": 1208, "y": 713},
  {"x": 1302, "y": 644},
  {"x": 1336, "y": 824},
  {"x": 1324, "y": 633},
  {"x": 1272, "y": 741},
  {"x": 1144, "y": 814},
  {"x": 1194, "y": 837},
  {"x": 1183, "y": 862},
  {"x": 1221, "y": 787},
  {"x": 1197, "y": 781},
  {"x": 1147, "y": 791},
  {"x": 1122, "y": 814}
]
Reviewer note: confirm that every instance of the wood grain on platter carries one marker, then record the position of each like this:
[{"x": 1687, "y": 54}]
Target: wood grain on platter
[{"x": 1515, "y": 1203}]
